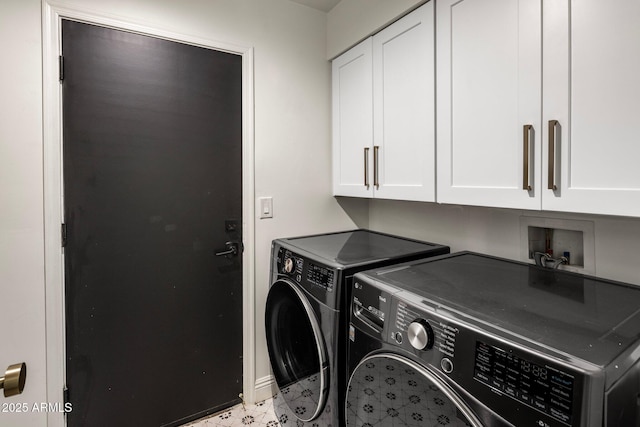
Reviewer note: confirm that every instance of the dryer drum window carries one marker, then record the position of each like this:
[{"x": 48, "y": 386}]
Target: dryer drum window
[
  {"x": 387, "y": 389},
  {"x": 297, "y": 350}
]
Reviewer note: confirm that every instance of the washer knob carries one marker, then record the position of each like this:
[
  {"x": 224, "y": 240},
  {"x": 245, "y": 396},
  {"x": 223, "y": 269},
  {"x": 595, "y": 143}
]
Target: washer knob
[
  {"x": 420, "y": 334},
  {"x": 288, "y": 265}
]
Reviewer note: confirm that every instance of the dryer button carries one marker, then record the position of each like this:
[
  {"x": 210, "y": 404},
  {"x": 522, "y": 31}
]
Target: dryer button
[{"x": 447, "y": 365}]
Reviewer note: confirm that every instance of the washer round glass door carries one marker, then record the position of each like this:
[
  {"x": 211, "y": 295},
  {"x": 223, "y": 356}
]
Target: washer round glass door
[
  {"x": 297, "y": 350},
  {"x": 391, "y": 390}
]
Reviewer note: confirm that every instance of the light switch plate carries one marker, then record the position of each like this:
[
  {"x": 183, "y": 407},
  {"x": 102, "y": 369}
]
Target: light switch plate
[{"x": 266, "y": 207}]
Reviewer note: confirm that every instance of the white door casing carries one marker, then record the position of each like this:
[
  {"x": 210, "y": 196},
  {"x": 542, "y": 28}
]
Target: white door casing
[{"x": 53, "y": 13}]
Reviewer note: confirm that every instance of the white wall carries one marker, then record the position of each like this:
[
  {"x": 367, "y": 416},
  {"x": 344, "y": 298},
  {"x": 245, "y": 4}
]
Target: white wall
[
  {"x": 351, "y": 21},
  {"x": 292, "y": 148},
  {"x": 497, "y": 232}
]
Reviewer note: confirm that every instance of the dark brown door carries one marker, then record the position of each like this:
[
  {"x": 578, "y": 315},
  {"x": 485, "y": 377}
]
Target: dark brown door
[{"x": 152, "y": 137}]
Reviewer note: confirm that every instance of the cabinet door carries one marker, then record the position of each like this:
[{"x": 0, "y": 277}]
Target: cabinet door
[
  {"x": 404, "y": 108},
  {"x": 591, "y": 87},
  {"x": 488, "y": 88},
  {"x": 353, "y": 122}
]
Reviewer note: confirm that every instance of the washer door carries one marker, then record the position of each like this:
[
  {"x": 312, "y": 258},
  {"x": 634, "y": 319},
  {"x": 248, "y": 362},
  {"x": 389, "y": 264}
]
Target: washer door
[
  {"x": 297, "y": 350},
  {"x": 390, "y": 390}
]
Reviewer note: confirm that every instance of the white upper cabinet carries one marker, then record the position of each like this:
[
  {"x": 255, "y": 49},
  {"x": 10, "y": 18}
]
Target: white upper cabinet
[
  {"x": 489, "y": 103},
  {"x": 569, "y": 69},
  {"x": 352, "y": 121},
  {"x": 384, "y": 138},
  {"x": 592, "y": 89},
  {"x": 404, "y": 107}
]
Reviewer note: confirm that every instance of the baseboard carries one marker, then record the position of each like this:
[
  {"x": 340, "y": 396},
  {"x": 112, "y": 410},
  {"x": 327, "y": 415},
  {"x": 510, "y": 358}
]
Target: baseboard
[{"x": 264, "y": 388}]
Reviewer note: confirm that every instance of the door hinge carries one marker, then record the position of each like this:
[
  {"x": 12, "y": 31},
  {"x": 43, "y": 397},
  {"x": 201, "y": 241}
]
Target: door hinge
[
  {"x": 61, "y": 68},
  {"x": 63, "y": 235},
  {"x": 65, "y": 400}
]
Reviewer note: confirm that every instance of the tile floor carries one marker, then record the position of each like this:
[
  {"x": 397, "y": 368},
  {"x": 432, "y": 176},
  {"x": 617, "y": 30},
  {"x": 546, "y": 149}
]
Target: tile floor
[{"x": 258, "y": 415}]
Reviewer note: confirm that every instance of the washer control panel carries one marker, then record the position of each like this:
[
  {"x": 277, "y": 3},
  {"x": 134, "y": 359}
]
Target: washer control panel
[
  {"x": 477, "y": 361},
  {"x": 525, "y": 386},
  {"x": 423, "y": 332},
  {"x": 539, "y": 386}
]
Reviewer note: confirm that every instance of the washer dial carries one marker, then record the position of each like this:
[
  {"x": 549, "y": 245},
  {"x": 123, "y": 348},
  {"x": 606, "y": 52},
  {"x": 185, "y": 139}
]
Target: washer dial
[{"x": 420, "y": 334}]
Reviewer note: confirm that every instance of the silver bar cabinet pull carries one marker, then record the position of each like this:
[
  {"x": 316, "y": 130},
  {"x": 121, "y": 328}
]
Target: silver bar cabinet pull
[
  {"x": 376, "y": 182},
  {"x": 552, "y": 155},
  {"x": 366, "y": 167},
  {"x": 526, "y": 130}
]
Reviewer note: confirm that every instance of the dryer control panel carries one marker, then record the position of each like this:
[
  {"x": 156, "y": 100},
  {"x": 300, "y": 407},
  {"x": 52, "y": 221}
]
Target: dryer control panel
[
  {"x": 299, "y": 269},
  {"x": 317, "y": 279}
]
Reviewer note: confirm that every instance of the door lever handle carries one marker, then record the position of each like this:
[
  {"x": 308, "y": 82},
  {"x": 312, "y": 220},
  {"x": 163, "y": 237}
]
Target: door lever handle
[
  {"x": 231, "y": 250},
  {"x": 14, "y": 379}
]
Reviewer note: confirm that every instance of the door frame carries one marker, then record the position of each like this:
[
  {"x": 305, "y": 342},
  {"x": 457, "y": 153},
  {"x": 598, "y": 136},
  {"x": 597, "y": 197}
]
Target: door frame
[{"x": 52, "y": 15}]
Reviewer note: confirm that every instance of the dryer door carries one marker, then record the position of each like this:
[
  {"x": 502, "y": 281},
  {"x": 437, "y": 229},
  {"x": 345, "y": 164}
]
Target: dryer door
[
  {"x": 297, "y": 350},
  {"x": 387, "y": 389}
]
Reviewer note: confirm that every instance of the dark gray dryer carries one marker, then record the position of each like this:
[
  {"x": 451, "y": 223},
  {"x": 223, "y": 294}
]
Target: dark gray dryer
[
  {"x": 306, "y": 316},
  {"x": 469, "y": 339}
]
